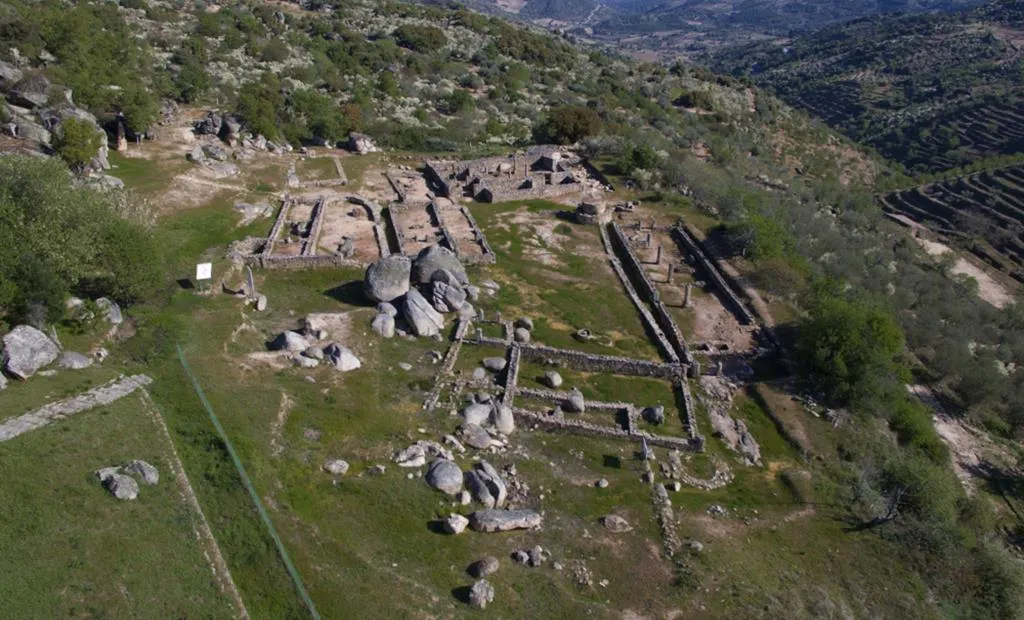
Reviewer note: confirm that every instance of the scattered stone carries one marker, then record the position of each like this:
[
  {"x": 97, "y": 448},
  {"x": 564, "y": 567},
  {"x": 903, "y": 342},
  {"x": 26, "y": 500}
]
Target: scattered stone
[
  {"x": 383, "y": 325},
  {"x": 496, "y": 520},
  {"x": 420, "y": 452},
  {"x": 305, "y": 362},
  {"x": 575, "y": 403},
  {"x": 716, "y": 510},
  {"x": 433, "y": 258},
  {"x": 490, "y": 285},
  {"x": 520, "y": 556},
  {"x": 388, "y": 278},
  {"x": 484, "y": 567},
  {"x": 472, "y": 292},
  {"x": 122, "y": 487},
  {"x": 524, "y": 323},
  {"x": 455, "y": 524},
  {"x": 361, "y": 143},
  {"x": 144, "y": 470},
  {"x": 26, "y": 350},
  {"x": 486, "y": 485},
  {"x": 477, "y": 413},
  {"x": 495, "y": 364},
  {"x": 336, "y": 467},
  {"x": 387, "y": 308},
  {"x": 475, "y": 436},
  {"x": 615, "y": 524},
  {"x": 377, "y": 470},
  {"x": 538, "y": 556},
  {"x": 654, "y": 415},
  {"x": 69, "y": 360},
  {"x": 404, "y": 366},
  {"x": 3, "y": 382},
  {"x": 602, "y": 483},
  {"x": 695, "y": 546},
  {"x": 261, "y": 303},
  {"x": 552, "y": 379},
  {"x": 465, "y": 498},
  {"x": 481, "y": 594},
  {"x": 479, "y": 374},
  {"x": 290, "y": 341},
  {"x": 445, "y": 476},
  {"x": 420, "y": 315},
  {"x": 215, "y": 152},
  {"x": 504, "y": 421},
  {"x": 314, "y": 352},
  {"x": 521, "y": 335},
  {"x": 341, "y": 357}
]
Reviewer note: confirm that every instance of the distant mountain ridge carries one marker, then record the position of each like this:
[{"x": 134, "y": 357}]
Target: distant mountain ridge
[{"x": 933, "y": 92}]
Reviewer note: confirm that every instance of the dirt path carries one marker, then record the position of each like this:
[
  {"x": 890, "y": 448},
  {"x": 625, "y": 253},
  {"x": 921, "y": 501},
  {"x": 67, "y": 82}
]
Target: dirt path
[
  {"x": 989, "y": 289},
  {"x": 201, "y": 527}
]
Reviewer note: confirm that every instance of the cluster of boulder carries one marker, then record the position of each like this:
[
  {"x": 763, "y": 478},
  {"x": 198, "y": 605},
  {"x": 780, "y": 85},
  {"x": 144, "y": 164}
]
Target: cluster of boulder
[
  {"x": 35, "y": 118},
  {"x": 484, "y": 485},
  {"x": 309, "y": 347},
  {"x": 121, "y": 480},
  {"x": 27, "y": 350},
  {"x": 419, "y": 292}
]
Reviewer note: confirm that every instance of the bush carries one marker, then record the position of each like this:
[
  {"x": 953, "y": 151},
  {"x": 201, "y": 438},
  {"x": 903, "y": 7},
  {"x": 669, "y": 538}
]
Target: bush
[
  {"x": 567, "y": 125},
  {"x": 77, "y": 142},
  {"x": 423, "y": 39}
]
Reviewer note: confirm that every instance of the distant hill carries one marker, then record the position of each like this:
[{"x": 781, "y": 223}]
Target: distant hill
[{"x": 933, "y": 92}]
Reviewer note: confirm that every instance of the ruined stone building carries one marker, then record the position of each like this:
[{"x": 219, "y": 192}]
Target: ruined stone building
[{"x": 540, "y": 172}]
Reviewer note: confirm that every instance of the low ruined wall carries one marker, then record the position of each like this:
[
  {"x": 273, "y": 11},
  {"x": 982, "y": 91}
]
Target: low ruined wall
[
  {"x": 583, "y": 427},
  {"x": 395, "y": 186},
  {"x": 511, "y": 375},
  {"x": 645, "y": 312},
  {"x": 392, "y": 214},
  {"x": 591, "y": 362},
  {"x": 682, "y": 390},
  {"x": 342, "y": 177},
  {"x": 684, "y": 237},
  {"x": 435, "y": 211},
  {"x": 309, "y": 247},
  {"x": 503, "y": 190},
  {"x": 324, "y": 261},
  {"x": 662, "y": 317},
  {"x": 275, "y": 230},
  {"x": 478, "y": 234},
  {"x": 558, "y": 396}
]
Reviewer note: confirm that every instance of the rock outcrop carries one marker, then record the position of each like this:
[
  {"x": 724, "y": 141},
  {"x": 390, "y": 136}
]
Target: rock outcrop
[
  {"x": 26, "y": 350},
  {"x": 433, "y": 258},
  {"x": 497, "y": 520},
  {"x": 387, "y": 279},
  {"x": 420, "y": 315}
]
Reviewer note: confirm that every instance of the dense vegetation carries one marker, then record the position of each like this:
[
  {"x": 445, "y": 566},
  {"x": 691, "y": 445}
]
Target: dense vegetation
[
  {"x": 56, "y": 239},
  {"x": 932, "y": 92}
]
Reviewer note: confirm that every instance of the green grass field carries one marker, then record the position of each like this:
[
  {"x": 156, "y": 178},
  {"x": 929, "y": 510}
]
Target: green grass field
[{"x": 70, "y": 549}]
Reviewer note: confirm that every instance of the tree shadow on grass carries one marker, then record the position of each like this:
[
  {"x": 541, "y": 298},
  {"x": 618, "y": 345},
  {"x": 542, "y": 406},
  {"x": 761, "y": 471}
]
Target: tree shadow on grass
[{"x": 350, "y": 293}]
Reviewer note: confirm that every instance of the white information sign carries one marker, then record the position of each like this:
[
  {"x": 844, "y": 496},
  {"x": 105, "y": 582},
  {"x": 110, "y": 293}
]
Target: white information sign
[{"x": 204, "y": 271}]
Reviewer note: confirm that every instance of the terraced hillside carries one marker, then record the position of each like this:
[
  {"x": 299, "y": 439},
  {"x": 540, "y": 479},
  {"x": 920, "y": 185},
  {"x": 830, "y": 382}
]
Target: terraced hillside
[
  {"x": 985, "y": 209},
  {"x": 933, "y": 92}
]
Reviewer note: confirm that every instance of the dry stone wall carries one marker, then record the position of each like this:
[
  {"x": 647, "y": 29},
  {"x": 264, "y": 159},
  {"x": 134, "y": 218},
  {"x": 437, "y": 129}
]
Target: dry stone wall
[
  {"x": 434, "y": 211},
  {"x": 275, "y": 230},
  {"x": 592, "y": 362},
  {"x": 309, "y": 247},
  {"x": 635, "y": 268},
  {"x": 687, "y": 242}
]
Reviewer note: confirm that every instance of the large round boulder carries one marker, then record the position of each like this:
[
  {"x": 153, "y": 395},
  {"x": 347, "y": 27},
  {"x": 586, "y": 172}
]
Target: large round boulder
[
  {"x": 387, "y": 279},
  {"x": 433, "y": 258},
  {"x": 445, "y": 475},
  {"x": 26, "y": 350}
]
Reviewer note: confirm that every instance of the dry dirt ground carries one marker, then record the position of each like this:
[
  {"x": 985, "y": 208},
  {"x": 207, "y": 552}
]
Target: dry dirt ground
[{"x": 988, "y": 288}]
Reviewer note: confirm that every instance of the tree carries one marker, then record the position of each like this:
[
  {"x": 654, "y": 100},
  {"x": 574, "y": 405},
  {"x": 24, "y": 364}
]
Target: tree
[
  {"x": 140, "y": 109},
  {"x": 568, "y": 124},
  {"x": 77, "y": 142},
  {"x": 421, "y": 39},
  {"x": 849, "y": 349}
]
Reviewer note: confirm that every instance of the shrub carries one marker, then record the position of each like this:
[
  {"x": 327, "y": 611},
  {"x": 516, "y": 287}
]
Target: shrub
[
  {"x": 567, "y": 125},
  {"x": 423, "y": 39},
  {"x": 77, "y": 142}
]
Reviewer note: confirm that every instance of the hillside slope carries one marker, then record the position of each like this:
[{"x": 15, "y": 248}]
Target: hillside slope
[{"x": 932, "y": 92}]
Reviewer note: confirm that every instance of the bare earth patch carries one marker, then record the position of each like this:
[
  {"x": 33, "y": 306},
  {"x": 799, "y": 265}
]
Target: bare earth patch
[{"x": 989, "y": 289}]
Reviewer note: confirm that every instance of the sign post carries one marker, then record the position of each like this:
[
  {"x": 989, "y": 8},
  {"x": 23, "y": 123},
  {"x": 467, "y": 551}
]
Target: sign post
[{"x": 204, "y": 271}]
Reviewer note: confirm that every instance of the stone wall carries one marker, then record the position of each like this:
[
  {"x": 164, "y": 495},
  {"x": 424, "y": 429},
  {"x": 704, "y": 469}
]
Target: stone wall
[
  {"x": 591, "y": 362},
  {"x": 558, "y": 396},
  {"x": 435, "y": 211},
  {"x": 663, "y": 318},
  {"x": 478, "y": 234},
  {"x": 687, "y": 242},
  {"x": 682, "y": 390},
  {"x": 391, "y": 214},
  {"x": 395, "y": 186},
  {"x": 511, "y": 375},
  {"x": 512, "y": 188},
  {"x": 323, "y": 261},
  {"x": 583, "y": 427},
  {"x": 309, "y": 247},
  {"x": 275, "y": 230}
]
